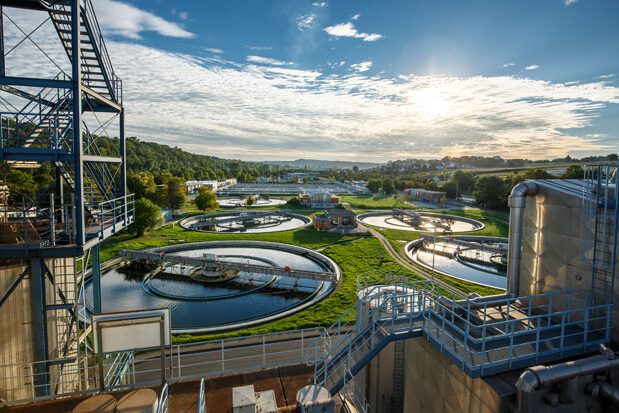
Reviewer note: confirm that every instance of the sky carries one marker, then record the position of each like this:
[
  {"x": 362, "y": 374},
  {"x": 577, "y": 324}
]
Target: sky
[{"x": 358, "y": 80}]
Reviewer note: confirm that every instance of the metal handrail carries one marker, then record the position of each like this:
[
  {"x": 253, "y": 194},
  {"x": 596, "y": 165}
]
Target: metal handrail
[
  {"x": 474, "y": 329},
  {"x": 202, "y": 398},
  {"x": 162, "y": 405}
]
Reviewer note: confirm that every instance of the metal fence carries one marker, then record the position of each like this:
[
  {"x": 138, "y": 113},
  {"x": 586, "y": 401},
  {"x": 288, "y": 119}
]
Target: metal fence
[{"x": 131, "y": 369}]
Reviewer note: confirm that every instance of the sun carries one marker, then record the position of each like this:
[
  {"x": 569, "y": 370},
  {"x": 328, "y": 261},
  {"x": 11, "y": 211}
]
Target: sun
[{"x": 432, "y": 103}]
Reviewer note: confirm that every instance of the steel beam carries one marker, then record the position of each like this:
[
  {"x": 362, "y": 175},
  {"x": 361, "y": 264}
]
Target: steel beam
[
  {"x": 101, "y": 100},
  {"x": 78, "y": 148},
  {"x": 96, "y": 279},
  {"x": 95, "y": 158},
  {"x": 39, "y": 326},
  {"x": 41, "y": 83},
  {"x": 2, "y": 61}
]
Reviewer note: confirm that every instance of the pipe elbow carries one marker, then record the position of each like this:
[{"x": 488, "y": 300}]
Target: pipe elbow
[
  {"x": 519, "y": 192},
  {"x": 528, "y": 381}
]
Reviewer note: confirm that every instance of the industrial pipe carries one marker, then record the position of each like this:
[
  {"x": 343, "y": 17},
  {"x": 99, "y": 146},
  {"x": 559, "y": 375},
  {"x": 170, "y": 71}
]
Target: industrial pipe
[
  {"x": 536, "y": 377},
  {"x": 517, "y": 202}
]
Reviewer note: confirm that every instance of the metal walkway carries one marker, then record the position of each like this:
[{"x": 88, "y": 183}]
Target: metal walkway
[
  {"x": 211, "y": 262},
  {"x": 466, "y": 244},
  {"x": 481, "y": 339}
]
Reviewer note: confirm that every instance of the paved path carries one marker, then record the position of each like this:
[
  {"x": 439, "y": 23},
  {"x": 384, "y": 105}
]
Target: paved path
[{"x": 413, "y": 267}]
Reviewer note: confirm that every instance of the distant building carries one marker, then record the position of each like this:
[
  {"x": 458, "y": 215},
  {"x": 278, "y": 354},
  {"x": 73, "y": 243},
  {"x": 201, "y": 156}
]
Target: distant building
[
  {"x": 341, "y": 218},
  {"x": 424, "y": 195},
  {"x": 215, "y": 185},
  {"x": 320, "y": 200}
]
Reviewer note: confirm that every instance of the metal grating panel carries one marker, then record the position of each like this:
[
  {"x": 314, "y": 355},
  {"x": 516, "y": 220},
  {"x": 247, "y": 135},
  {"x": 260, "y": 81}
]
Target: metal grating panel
[{"x": 600, "y": 217}]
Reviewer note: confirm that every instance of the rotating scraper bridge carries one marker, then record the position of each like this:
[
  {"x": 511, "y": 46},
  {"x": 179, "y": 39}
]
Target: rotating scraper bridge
[
  {"x": 243, "y": 218},
  {"x": 212, "y": 261}
]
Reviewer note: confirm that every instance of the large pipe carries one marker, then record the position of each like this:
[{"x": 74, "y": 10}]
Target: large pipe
[
  {"x": 536, "y": 377},
  {"x": 517, "y": 202}
]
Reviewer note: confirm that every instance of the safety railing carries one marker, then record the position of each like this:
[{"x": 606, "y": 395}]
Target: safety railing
[
  {"x": 35, "y": 221},
  {"x": 96, "y": 37},
  {"x": 110, "y": 217},
  {"x": 43, "y": 130},
  {"x": 119, "y": 369},
  {"x": 162, "y": 405},
  {"x": 202, "y": 398},
  {"x": 481, "y": 338}
]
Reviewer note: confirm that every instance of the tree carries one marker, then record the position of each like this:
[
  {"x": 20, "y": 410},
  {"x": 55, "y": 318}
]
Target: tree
[
  {"x": 141, "y": 184},
  {"x": 490, "y": 192},
  {"x": 450, "y": 189},
  {"x": 388, "y": 186},
  {"x": 147, "y": 216},
  {"x": 176, "y": 193},
  {"x": 574, "y": 172},
  {"x": 374, "y": 185},
  {"x": 465, "y": 181},
  {"x": 250, "y": 201},
  {"x": 206, "y": 199}
]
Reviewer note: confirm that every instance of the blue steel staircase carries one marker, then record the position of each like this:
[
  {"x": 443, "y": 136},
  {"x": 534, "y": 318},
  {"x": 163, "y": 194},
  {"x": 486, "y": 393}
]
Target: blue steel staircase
[
  {"x": 61, "y": 120},
  {"x": 50, "y": 127},
  {"x": 482, "y": 339}
]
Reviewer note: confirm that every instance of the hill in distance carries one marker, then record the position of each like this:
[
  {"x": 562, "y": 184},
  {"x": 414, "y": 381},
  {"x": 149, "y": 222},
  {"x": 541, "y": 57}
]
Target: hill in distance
[{"x": 320, "y": 165}]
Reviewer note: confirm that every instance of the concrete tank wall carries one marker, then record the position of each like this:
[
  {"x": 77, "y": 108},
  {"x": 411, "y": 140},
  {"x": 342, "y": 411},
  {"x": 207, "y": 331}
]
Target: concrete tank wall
[{"x": 432, "y": 383}]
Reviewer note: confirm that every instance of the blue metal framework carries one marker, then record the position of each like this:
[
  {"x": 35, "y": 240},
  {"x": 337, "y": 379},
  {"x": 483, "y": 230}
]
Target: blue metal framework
[
  {"x": 57, "y": 119},
  {"x": 600, "y": 220},
  {"x": 481, "y": 338}
]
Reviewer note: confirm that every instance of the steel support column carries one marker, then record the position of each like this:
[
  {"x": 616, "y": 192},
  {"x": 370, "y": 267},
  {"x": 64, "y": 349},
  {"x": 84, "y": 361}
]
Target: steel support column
[
  {"x": 123, "y": 165},
  {"x": 39, "y": 326},
  {"x": 78, "y": 148},
  {"x": 96, "y": 279},
  {"x": 2, "y": 62}
]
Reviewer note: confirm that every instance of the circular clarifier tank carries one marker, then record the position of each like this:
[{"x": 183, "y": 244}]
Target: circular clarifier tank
[
  {"x": 246, "y": 222},
  {"x": 242, "y": 202},
  {"x": 421, "y": 222},
  {"x": 206, "y": 299},
  {"x": 480, "y": 260}
]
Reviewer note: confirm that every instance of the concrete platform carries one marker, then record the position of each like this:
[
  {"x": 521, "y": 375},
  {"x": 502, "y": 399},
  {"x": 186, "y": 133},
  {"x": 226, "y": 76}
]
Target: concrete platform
[{"x": 183, "y": 396}]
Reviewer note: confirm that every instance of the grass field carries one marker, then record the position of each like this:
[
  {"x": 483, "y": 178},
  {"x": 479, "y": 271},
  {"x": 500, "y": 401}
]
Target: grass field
[
  {"x": 372, "y": 202},
  {"x": 171, "y": 235}
]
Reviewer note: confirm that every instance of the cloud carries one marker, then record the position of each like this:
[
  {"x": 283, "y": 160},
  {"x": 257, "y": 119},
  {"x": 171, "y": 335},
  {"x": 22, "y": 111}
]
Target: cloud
[
  {"x": 349, "y": 30},
  {"x": 320, "y": 4},
  {"x": 355, "y": 17},
  {"x": 508, "y": 64},
  {"x": 307, "y": 22},
  {"x": 183, "y": 15},
  {"x": 362, "y": 67},
  {"x": 253, "y": 111},
  {"x": 267, "y": 61},
  {"x": 532, "y": 67},
  {"x": 213, "y": 50},
  {"x": 128, "y": 21},
  {"x": 569, "y": 2},
  {"x": 259, "y": 48}
]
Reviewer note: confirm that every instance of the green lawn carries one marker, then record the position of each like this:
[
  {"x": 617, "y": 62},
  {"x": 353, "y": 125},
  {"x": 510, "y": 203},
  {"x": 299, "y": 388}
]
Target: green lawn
[
  {"x": 372, "y": 202},
  {"x": 171, "y": 235}
]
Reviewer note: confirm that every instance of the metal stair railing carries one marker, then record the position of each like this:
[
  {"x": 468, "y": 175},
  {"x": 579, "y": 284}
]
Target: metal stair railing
[
  {"x": 94, "y": 74},
  {"x": 481, "y": 339},
  {"x": 202, "y": 398}
]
